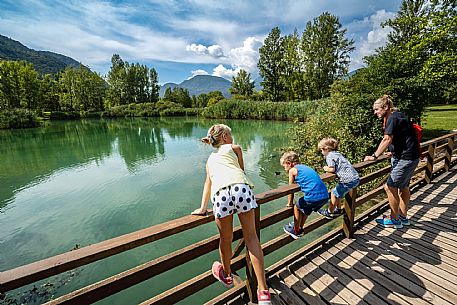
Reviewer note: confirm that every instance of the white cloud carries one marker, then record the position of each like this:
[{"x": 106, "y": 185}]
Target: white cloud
[
  {"x": 222, "y": 71},
  {"x": 376, "y": 37},
  {"x": 247, "y": 56},
  {"x": 199, "y": 49},
  {"x": 198, "y": 72}
]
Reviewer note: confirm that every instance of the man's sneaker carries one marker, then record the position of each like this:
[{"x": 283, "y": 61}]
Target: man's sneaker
[
  {"x": 263, "y": 297},
  {"x": 404, "y": 220},
  {"x": 291, "y": 231},
  {"x": 325, "y": 213},
  {"x": 218, "y": 273},
  {"x": 389, "y": 222},
  {"x": 336, "y": 212}
]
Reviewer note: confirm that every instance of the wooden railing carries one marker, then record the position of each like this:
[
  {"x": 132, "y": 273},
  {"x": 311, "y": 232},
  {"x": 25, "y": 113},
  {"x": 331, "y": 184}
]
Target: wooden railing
[{"x": 436, "y": 152}]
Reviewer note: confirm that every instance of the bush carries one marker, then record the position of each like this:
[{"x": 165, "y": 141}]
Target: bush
[
  {"x": 248, "y": 109},
  {"x": 18, "y": 118}
]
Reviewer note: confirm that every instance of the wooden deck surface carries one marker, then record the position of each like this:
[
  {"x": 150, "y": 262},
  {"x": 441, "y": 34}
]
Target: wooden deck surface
[{"x": 413, "y": 265}]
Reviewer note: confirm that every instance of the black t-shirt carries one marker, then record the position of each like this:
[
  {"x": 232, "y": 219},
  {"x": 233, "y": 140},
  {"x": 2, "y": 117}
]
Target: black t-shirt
[{"x": 404, "y": 143}]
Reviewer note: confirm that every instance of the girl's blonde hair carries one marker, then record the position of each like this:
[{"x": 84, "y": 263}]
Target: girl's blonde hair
[
  {"x": 383, "y": 101},
  {"x": 328, "y": 143},
  {"x": 215, "y": 135},
  {"x": 289, "y": 156}
]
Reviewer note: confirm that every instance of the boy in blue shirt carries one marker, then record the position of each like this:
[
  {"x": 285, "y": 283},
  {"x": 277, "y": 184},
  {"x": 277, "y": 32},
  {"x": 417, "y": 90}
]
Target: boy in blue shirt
[{"x": 314, "y": 189}]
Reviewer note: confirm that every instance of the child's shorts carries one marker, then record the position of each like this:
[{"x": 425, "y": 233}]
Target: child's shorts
[
  {"x": 308, "y": 206},
  {"x": 233, "y": 199},
  {"x": 342, "y": 189}
]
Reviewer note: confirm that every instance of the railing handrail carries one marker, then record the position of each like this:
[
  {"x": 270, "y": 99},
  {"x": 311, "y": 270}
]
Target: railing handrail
[{"x": 26, "y": 274}]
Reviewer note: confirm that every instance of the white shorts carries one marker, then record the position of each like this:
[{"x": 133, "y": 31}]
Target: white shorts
[{"x": 233, "y": 199}]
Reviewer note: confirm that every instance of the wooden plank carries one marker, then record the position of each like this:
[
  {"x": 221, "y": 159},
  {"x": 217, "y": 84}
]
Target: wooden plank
[
  {"x": 382, "y": 271},
  {"x": 383, "y": 286},
  {"x": 303, "y": 291},
  {"x": 411, "y": 270},
  {"x": 401, "y": 249},
  {"x": 285, "y": 293},
  {"x": 389, "y": 267},
  {"x": 372, "y": 176},
  {"x": 347, "y": 277},
  {"x": 434, "y": 258},
  {"x": 306, "y": 271}
]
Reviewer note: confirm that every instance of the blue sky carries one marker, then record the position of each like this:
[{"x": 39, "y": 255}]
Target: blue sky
[{"x": 182, "y": 38}]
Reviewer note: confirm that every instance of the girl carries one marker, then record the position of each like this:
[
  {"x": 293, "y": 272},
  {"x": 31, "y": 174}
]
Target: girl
[
  {"x": 230, "y": 192},
  {"x": 347, "y": 175}
]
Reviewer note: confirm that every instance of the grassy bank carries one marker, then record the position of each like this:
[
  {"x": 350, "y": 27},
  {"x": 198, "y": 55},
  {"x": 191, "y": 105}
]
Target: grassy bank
[{"x": 439, "y": 120}]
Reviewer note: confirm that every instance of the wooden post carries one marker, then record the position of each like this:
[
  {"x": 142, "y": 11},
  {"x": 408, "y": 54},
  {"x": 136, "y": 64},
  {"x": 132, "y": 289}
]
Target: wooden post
[
  {"x": 251, "y": 279},
  {"x": 429, "y": 168},
  {"x": 449, "y": 148},
  {"x": 349, "y": 208}
]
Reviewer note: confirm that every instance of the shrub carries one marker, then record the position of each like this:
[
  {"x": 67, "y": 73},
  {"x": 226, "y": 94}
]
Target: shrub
[{"x": 18, "y": 118}]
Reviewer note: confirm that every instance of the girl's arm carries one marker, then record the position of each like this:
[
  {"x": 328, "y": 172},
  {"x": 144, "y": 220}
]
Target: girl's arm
[
  {"x": 290, "y": 198},
  {"x": 205, "y": 196},
  {"x": 239, "y": 154}
]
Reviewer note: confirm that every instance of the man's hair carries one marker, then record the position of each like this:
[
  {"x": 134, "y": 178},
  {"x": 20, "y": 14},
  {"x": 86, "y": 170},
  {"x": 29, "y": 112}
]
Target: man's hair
[{"x": 383, "y": 101}]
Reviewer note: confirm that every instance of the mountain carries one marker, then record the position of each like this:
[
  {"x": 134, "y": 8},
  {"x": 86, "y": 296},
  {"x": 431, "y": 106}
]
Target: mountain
[
  {"x": 201, "y": 84},
  {"x": 43, "y": 61}
]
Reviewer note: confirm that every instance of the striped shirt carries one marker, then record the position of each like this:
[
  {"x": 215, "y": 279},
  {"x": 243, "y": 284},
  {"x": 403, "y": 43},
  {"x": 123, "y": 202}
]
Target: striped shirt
[{"x": 343, "y": 169}]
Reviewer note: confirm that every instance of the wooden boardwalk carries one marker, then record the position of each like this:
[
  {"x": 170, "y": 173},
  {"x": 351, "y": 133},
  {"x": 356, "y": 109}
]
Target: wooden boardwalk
[{"x": 413, "y": 265}]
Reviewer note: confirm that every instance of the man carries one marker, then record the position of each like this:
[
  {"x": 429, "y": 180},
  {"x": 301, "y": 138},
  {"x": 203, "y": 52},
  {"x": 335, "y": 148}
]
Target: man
[{"x": 400, "y": 138}]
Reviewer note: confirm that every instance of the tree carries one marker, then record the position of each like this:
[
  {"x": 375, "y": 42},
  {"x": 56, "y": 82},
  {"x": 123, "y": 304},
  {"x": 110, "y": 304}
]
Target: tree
[
  {"x": 325, "y": 54},
  {"x": 271, "y": 66},
  {"x": 154, "y": 86},
  {"x": 242, "y": 84},
  {"x": 293, "y": 74}
]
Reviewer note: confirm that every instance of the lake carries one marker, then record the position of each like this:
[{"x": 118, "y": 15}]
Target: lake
[{"x": 74, "y": 183}]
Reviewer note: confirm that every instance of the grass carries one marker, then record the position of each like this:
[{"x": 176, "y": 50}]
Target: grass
[{"x": 439, "y": 120}]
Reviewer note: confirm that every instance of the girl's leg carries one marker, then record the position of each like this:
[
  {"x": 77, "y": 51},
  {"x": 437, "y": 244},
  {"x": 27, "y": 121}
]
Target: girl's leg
[
  {"x": 247, "y": 221},
  {"x": 225, "y": 226}
]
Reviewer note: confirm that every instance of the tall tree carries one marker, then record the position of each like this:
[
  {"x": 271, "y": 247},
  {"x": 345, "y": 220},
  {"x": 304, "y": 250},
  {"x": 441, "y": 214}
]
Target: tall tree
[
  {"x": 242, "y": 84},
  {"x": 154, "y": 83},
  {"x": 325, "y": 54},
  {"x": 271, "y": 66},
  {"x": 293, "y": 74}
]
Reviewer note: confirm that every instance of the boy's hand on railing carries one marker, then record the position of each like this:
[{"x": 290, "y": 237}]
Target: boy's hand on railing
[
  {"x": 199, "y": 212},
  {"x": 369, "y": 158}
]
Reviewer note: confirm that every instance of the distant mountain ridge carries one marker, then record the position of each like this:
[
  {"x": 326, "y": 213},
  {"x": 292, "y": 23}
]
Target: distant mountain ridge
[
  {"x": 201, "y": 84},
  {"x": 44, "y": 61}
]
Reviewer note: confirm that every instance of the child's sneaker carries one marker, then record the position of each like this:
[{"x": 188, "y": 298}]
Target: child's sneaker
[
  {"x": 404, "y": 220},
  {"x": 325, "y": 213},
  {"x": 389, "y": 222},
  {"x": 263, "y": 297},
  {"x": 336, "y": 212},
  {"x": 291, "y": 231},
  {"x": 218, "y": 273}
]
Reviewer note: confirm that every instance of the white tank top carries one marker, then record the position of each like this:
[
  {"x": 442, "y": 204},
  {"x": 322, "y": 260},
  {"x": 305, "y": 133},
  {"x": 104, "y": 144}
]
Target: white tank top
[{"x": 224, "y": 169}]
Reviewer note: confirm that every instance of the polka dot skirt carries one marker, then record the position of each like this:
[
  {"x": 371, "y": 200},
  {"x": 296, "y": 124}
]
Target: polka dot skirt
[{"x": 233, "y": 199}]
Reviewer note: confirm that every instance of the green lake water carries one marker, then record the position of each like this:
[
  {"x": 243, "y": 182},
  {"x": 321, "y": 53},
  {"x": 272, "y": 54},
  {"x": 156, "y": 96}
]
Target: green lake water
[{"x": 76, "y": 183}]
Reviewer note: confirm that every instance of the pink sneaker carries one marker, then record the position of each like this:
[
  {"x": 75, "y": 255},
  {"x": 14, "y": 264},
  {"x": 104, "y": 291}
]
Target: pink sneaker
[
  {"x": 218, "y": 273},
  {"x": 263, "y": 297}
]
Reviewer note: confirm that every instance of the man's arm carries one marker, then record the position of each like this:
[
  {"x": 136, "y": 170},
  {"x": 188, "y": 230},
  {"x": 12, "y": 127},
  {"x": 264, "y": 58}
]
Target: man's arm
[{"x": 385, "y": 142}]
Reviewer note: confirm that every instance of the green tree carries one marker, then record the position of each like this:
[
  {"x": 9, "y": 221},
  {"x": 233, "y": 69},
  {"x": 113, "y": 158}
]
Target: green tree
[
  {"x": 293, "y": 74},
  {"x": 325, "y": 54},
  {"x": 271, "y": 66},
  {"x": 154, "y": 86},
  {"x": 242, "y": 84},
  {"x": 116, "y": 94}
]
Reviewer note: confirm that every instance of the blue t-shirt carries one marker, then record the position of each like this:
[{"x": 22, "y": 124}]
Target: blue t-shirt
[{"x": 310, "y": 183}]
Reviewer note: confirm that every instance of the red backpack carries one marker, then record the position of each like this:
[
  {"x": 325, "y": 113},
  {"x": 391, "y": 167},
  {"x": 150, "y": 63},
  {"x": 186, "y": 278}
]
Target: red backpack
[{"x": 418, "y": 130}]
